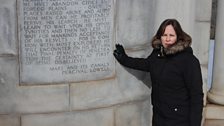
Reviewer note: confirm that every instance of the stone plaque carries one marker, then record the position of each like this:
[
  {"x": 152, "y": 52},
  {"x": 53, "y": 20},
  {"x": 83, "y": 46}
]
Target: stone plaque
[{"x": 65, "y": 40}]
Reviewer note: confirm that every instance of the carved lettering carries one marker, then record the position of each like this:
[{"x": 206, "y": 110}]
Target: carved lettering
[{"x": 70, "y": 39}]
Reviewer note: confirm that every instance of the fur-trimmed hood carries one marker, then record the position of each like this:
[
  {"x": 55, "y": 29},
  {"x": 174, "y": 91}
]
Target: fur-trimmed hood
[{"x": 175, "y": 48}]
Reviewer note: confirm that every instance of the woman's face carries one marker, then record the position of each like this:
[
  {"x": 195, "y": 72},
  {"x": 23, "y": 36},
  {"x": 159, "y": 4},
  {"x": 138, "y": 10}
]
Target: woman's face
[{"x": 169, "y": 36}]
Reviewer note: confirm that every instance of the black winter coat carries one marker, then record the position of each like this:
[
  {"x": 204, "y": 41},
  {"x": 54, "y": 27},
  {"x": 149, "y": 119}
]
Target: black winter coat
[{"x": 177, "y": 95}]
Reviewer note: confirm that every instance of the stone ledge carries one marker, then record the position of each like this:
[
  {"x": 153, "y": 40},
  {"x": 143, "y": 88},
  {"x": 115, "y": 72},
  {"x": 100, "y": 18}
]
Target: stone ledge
[
  {"x": 214, "y": 112},
  {"x": 213, "y": 122}
]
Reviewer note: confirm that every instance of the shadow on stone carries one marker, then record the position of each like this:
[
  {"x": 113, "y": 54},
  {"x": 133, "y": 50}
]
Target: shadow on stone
[{"x": 141, "y": 75}]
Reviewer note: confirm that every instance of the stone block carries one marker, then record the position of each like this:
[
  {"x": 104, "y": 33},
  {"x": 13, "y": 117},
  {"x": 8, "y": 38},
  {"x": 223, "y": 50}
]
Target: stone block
[
  {"x": 8, "y": 41},
  {"x": 109, "y": 92},
  {"x": 95, "y": 94},
  {"x": 28, "y": 99},
  {"x": 41, "y": 99},
  {"x": 134, "y": 114},
  {"x": 214, "y": 122},
  {"x": 6, "y": 120},
  {"x": 104, "y": 93},
  {"x": 134, "y": 22},
  {"x": 200, "y": 41},
  {"x": 200, "y": 45},
  {"x": 63, "y": 42},
  {"x": 98, "y": 117},
  {"x": 8, "y": 81},
  {"x": 136, "y": 88},
  {"x": 203, "y": 10},
  {"x": 183, "y": 11},
  {"x": 214, "y": 112}
]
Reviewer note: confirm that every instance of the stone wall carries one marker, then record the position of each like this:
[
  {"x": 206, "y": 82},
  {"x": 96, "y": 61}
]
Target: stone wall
[{"x": 53, "y": 72}]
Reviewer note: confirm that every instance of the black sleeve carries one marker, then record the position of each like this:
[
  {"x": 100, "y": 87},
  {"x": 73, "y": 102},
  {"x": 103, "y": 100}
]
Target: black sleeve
[
  {"x": 193, "y": 79},
  {"x": 142, "y": 64}
]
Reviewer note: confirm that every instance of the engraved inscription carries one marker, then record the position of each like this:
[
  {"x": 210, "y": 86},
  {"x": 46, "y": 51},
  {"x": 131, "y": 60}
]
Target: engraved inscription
[{"x": 65, "y": 40}]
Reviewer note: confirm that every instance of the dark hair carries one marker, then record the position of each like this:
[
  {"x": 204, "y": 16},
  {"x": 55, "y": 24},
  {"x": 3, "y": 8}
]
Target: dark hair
[{"x": 181, "y": 35}]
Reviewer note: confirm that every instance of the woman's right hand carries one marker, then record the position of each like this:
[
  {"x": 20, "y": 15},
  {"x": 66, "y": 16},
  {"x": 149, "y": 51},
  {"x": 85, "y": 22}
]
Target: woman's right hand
[{"x": 119, "y": 52}]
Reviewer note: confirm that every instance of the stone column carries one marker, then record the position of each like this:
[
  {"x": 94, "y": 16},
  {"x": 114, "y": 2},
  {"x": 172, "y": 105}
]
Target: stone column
[{"x": 216, "y": 93}]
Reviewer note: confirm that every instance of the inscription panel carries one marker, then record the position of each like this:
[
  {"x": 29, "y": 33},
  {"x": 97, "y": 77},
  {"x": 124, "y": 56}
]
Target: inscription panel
[{"x": 65, "y": 40}]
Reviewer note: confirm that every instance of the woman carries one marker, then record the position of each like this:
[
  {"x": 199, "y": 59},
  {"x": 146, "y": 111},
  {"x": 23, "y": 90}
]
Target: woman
[{"x": 177, "y": 95}]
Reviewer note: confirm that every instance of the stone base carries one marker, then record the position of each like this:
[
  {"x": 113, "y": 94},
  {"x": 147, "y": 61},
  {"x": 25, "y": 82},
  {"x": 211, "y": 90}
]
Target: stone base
[
  {"x": 214, "y": 122},
  {"x": 214, "y": 115},
  {"x": 214, "y": 112}
]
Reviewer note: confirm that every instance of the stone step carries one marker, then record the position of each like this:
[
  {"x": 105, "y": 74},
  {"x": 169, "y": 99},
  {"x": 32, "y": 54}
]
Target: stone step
[
  {"x": 214, "y": 115},
  {"x": 214, "y": 112},
  {"x": 214, "y": 122}
]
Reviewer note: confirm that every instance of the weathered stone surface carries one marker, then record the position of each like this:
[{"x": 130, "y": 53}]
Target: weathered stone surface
[
  {"x": 183, "y": 11},
  {"x": 133, "y": 114},
  {"x": 135, "y": 22},
  {"x": 214, "y": 122},
  {"x": 203, "y": 10},
  {"x": 213, "y": 111},
  {"x": 119, "y": 97},
  {"x": 8, "y": 28},
  {"x": 95, "y": 94},
  {"x": 68, "y": 41},
  {"x": 201, "y": 44},
  {"x": 8, "y": 80},
  {"x": 9, "y": 120},
  {"x": 99, "y": 117},
  {"x": 104, "y": 93},
  {"x": 201, "y": 50},
  {"x": 25, "y": 99}
]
